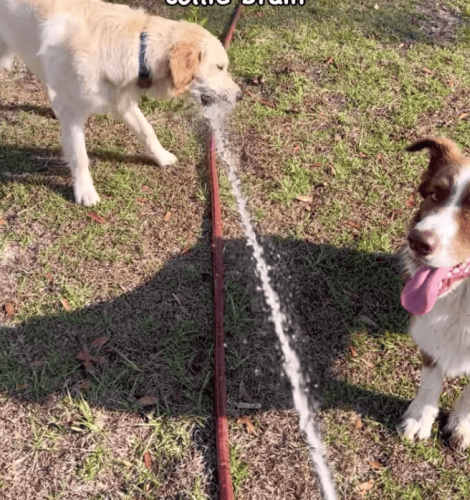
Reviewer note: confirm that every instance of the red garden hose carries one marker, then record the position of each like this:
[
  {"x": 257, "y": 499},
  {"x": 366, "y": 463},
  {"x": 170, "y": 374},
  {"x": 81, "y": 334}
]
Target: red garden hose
[{"x": 222, "y": 444}]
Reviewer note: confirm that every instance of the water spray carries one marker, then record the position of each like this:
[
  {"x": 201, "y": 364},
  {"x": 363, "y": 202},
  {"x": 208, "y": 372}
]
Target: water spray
[{"x": 216, "y": 115}]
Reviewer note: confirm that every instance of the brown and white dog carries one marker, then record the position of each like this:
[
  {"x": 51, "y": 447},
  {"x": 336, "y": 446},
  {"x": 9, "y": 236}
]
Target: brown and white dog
[
  {"x": 437, "y": 260},
  {"x": 96, "y": 57}
]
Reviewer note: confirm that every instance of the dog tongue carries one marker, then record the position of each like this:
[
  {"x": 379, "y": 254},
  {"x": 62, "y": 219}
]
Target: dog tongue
[{"x": 421, "y": 292}]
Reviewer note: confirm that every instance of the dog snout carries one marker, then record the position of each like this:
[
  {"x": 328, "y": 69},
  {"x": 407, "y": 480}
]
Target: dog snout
[
  {"x": 423, "y": 242},
  {"x": 239, "y": 96}
]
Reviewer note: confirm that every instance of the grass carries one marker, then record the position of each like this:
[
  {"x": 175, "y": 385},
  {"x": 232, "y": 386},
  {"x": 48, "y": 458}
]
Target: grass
[{"x": 334, "y": 91}]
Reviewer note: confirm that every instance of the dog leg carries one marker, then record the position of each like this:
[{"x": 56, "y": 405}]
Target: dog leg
[
  {"x": 418, "y": 419},
  {"x": 138, "y": 125},
  {"x": 73, "y": 142},
  {"x": 6, "y": 57},
  {"x": 459, "y": 421},
  {"x": 52, "y": 96}
]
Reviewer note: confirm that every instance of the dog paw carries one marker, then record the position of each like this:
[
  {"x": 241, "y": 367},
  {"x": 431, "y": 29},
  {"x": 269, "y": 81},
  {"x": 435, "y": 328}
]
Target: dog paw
[
  {"x": 459, "y": 428},
  {"x": 417, "y": 421},
  {"x": 86, "y": 196},
  {"x": 6, "y": 63},
  {"x": 166, "y": 159}
]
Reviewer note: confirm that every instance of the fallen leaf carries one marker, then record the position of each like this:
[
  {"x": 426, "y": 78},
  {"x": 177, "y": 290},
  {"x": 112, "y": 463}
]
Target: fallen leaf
[
  {"x": 84, "y": 355},
  {"x": 380, "y": 157},
  {"x": 3, "y": 222},
  {"x": 9, "y": 309},
  {"x": 401, "y": 45},
  {"x": 463, "y": 115},
  {"x": 428, "y": 71},
  {"x": 330, "y": 60},
  {"x": 177, "y": 299},
  {"x": 357, "y": 423},
  {"x": 368, "y": 321},
  {"x": 148, "y": 460},
  {"x": 410, "y": 202},
  {"x": 99, "y": 342},
  {"x": 141, "y": 201},
  {"x": 96, "y": 218},
  {"x": 145, "y": 188},
  {"x": 249, "y": 424},
  {"x": 365, "y": 487},
  {"x": 147, "y": 401},
  {"x": 376, "y": 465},
  {"x": 248, "y": 406},
  {"x": 86, "y": 358},
  {"x": 296, "y": 148},
  {"x": 242, "y": 392},
  {"x": 38, "y": 364},
  {"x": 65, "y": 304},
  {"x": 21, "y": 387},
  {"x": 353, "y": 224},
  {"x": 269, "y": 104},
  {"x": 49, "y": 276},
  {"x": 450, "y": 84},
  {"x": 362, "y": 155},
  {"x": 353, "y": 351},
  {"x": 185, "y": 250},
  {"x": 128, "y": 464},
  {"x": 317, "y": 164},
  {"x": 84, "y": 385},
  {"x": 305, "y": 199},
  {"x": 167, "y": 216},
  {"x": 332, "y": 170}
]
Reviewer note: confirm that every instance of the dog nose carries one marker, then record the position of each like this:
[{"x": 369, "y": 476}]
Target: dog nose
[
  {"x": 239, "y": 96},
  {"x": 423, "y": 242}
]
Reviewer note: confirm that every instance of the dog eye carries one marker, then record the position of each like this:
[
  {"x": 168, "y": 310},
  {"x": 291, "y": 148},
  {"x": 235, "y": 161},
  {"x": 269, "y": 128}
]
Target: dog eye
[
  {"x": 435, "y": 197},
  {"x": 219, "y": 66}
]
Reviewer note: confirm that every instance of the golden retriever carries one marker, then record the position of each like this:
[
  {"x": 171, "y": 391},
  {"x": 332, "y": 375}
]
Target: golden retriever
[{"x": 96, "y": 57}]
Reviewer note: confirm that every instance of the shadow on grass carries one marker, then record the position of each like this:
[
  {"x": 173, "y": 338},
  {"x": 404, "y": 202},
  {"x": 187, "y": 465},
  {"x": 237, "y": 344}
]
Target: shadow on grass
[
  {"x": 161, "y": 335},
  {"x": 161, "y": 340}
]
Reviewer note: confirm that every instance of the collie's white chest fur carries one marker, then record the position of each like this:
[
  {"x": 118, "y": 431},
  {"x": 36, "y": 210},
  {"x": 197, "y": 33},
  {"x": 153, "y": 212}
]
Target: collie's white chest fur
[{"x": 444, "y": 332}]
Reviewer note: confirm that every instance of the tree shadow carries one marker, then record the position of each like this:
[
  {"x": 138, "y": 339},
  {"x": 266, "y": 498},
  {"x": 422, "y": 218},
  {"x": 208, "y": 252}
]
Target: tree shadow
[
  {"x": 160, "y": 335},
  {"x": 47, "y": 167}
]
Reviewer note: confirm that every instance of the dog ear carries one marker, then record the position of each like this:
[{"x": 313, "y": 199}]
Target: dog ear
[
  {"x": 184, "y": 61},
  {"x": 442, "y": 151}
]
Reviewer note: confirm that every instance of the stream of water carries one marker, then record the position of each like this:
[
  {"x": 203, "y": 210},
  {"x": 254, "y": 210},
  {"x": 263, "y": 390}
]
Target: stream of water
[{"x": 216, "y": 116}]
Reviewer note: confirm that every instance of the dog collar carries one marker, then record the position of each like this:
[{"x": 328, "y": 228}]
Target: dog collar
[{"x": 145, "y": 77}]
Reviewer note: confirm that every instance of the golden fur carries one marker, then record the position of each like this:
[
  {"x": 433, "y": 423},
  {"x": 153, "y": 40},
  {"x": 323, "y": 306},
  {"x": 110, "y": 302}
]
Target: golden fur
[{"x": 86, "y": 52}]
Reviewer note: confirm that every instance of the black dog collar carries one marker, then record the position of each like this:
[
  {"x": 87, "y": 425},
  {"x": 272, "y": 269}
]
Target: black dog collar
[{"x": 145, "y": 77}]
